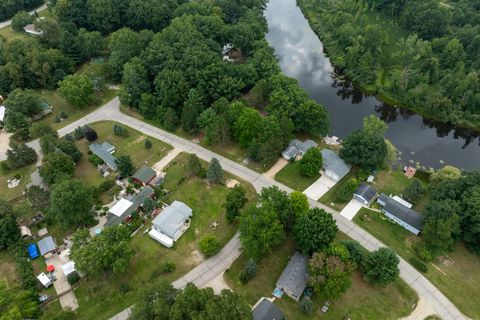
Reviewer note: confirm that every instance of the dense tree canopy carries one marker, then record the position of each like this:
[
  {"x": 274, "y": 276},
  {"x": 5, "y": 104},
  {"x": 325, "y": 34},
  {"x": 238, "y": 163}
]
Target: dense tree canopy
[
  {"x": 381, "y": 266},
  {"x": 314, "y": 231},
  {"x": 56, "y": 166},
  {"x": 9, "y": 230},
  {"x": 9, "y": 7},
  {"x": 17, "y": 304},
  {"x": 19, "y": 155},
  {"x": 364, "y": 149},
  {"x": 234, "y": 202},
  {"x": 77, "y": 89},
  {"x": 107, "y": 252},
  {"x": 311, "y": 163}
]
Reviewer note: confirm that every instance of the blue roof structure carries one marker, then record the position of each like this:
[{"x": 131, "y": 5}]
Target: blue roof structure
[{"x": 32, "y": 251}]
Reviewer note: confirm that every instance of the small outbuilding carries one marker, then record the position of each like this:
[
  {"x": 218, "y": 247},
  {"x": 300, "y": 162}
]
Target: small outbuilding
[
  {"x": 47, "y": 245},
  {"x": 144, "y": 176},
  {"x": 2, "y": 113},
  {"x": 293, "y": 280},
  {"x": 265, "y": 309},
  {"x": 44, "y": 280},
  {"x": 160, "y": 237},
  {"x": 365, "y": 194},
  {"x": 33, "y": 30},
  {"x": 25, "y": 232},
  {"x": 174, "y": 220},
  {"x": 333, "y": 166},
  {"x": 69, "y": 268}
]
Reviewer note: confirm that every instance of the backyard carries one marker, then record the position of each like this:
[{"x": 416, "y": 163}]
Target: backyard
[
  {"x": 132, "y": 145},
  {"x": 10, "y": 194},
  {"x": 361, "y": 301},
  {"x": 102, "y": 297},
  {"x": 455, "y": 274}
]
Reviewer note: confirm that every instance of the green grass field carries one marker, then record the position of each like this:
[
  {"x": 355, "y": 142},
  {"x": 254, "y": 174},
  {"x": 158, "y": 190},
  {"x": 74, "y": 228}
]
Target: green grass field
[
  {"x": 330, "y": 197},
  {"x": 361, "y": 301},
  {"x": 291, "y": 176},
  {"x": 455, "y": 274},
  {"x": 100, "y": 298},
  {"x": 9, "y": 194},
  {"x": 7, "y": 268}
]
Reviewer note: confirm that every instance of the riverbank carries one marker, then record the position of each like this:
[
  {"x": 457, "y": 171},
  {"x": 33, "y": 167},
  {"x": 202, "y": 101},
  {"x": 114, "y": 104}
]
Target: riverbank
[{"x": 378, "y": 88}]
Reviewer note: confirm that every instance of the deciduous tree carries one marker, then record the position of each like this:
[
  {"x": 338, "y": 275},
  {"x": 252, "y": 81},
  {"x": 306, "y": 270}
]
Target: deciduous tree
[
  {"x": 20, "y": 155},
  {"x": 125, "y": 165},
  {"x": 56, "y": 166},
  {"x": 234, "y": 202},
  {"x": 314, "y": 231},
  {"x": 311, "y": 162},
  {"x": 77, "y": 89},
  {"x": 381, "y": 267}
]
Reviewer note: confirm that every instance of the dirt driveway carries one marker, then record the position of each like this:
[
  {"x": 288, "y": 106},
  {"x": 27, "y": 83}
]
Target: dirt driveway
[{"x": 62, "y": 287}]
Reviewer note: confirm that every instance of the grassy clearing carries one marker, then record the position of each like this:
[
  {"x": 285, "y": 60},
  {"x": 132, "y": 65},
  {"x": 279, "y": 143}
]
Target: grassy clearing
[
  {"x": 7, "y": 268},
  {"x": 291, "y": 176},
  {"x": 101, "y": 298},
  {"x": 9, "y": 194},
  {"x": 60, "y": 105},
  {"x": 361, "y": 301},
  {"x": 455, "y": 274}
]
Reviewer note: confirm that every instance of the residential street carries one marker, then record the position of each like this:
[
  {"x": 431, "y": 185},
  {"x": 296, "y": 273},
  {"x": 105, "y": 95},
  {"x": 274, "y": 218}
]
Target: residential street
[
  {"x": 9, "y": 22},
  {"x": 217, "y": 265}
]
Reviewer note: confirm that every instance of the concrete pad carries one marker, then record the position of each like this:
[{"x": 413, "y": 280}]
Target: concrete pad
[
  {"x": 319, "y": 187},
  {"x": 68, "y": 301},
  {"x": 281, "y": 163},
  {"x": 351, "y": 209}
]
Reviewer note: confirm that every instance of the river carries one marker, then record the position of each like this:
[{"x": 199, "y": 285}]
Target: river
[{"x": 419, "y": 140}]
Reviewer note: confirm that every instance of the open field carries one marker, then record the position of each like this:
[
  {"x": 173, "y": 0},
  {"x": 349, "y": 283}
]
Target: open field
[
  {"x": 455, "y": 274},
  {"x": 101, "y": 298},
  {"x": 291, "y": 176},
  {"x": 361, "y": 301}
]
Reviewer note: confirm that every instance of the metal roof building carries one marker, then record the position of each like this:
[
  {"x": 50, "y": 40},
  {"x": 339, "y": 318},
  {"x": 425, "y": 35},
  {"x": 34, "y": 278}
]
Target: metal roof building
[
  {"x": 171, "y": 221},
  {"x": 46, "y": 245},
  {"x": 127, "y": 206},
  {"x": 144, "y": 175}
]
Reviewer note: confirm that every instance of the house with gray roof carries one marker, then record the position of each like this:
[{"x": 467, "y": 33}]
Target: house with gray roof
[
  {"x": 365, "y": 194},
  {"x": 265, "y": 309},
  {"x": 298, "y": 148},
  {"x": 46, "y": 245},
  {"x": 401, "y": 214},
  {"x": 174, "y": 220},
  {"x": 293, "y": 280},
  {"x": 333, "y": 166},
  {"x": 104, "y": 151},
  {"x": 126, "y": 207},
  {"x": 144, "y": 175}
]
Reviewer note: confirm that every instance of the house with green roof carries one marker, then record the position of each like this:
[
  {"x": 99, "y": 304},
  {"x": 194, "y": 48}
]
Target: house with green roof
[{"x": 144, "y": 176}]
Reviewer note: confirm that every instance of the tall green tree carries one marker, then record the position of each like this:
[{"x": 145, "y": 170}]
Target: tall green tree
[
  {"x": 134, "y": 83},
  {"x": 364, "y": 149},
  {"x": 314, "y": 231},
  {"x": 125, "y": 165},
  {"x": 56, "y": 166},
  {"x": 77, "y": 89},
  {"x": 9, "y": 230},
  {"x": 17, "y": 305},
  {"x": 381, "y": 267},
  {"x": 234, "y": 202},
  {"x": 311, "y": 162},
  {"x": 104, "y": 253},
  {"x": 20, "y": 155},
  {"x": 71, "y": 203},
  {"x": 214, "y": 171},
  {"x": 192, "y": 109}
]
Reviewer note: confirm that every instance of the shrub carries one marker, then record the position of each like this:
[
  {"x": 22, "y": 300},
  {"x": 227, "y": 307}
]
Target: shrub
[
  {"x": 202, "y": 174},
  {"x": 147, "y": 144},
  {"x": 424, "y": 253},
  {"x": 209, "y": 245},
  {"x": 4, "y": 166},
  {"x": 345, "y": 192},
  {"x": 20, "y": 20},
  {"x": 95, "y": 160},
  {"x": 79, "y": 133},
  {"x": 306, "y": 305},
  {"x": 418, "y": 264},
  {"x": 168, "y": 267},
  {"x": 69, "y": 137},
  {"x": 249, "y": 272},
  {"x": 73, "y": 278},
  {"x": 63, "y": 115},
  {"x": 155, "y": 274},
  {"x": 124, "y": 288},
  {"x": 105, "y": 185},
  {"x": 57, "y": 119},
  {"x": 119, "y": 130},
  {"x": 357, "y": 252}
]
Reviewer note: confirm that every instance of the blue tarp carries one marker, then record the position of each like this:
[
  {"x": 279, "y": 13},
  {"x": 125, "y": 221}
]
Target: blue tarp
[{"x": 32, "y": 251}]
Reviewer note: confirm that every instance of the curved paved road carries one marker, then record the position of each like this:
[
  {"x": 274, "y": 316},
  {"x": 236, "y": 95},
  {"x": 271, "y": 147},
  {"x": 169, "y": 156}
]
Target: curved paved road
[
  {"x": 9, "y": 22},
  {"x": 214, "y": 266}
]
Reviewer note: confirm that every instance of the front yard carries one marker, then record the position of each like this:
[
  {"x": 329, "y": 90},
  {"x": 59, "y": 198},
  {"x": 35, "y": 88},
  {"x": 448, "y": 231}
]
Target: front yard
[
  {"x": 455, "y": 274},
  {"x": 291, "y": 176},
  {"x": 102, "y": 298},
  {"x": 361, "y": 301}
]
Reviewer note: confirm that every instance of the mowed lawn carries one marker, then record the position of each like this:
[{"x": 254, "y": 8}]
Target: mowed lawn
[
  {"x": 331, "y": 196},
  {"x": 132, "y": 145},
  {"x": 291, "y": 176},
  {"x": 101, "y": 298},
  {"x": 60, "y": 105},
  {"x": 9, "y": 194},
  {"x": 455, "y": 274},
  {"x": 361, "y": 301},
  {"x": 8, "y": 268}
]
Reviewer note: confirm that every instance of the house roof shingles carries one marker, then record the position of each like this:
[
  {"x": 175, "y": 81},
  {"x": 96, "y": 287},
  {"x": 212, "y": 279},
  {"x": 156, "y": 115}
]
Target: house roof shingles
[
  {"x": 136, "y": 200},
  {"x": 103, "y": 152},
  {"x": 294, "y": 276},
  {"x": 267, "y": 310},
  {"x": 366, "y": 191},
  {"x": 332, "y": 162},
  {"x": 145, "y": 174},
  {"x": 402, "y": 212},
  {"x": 172, "y": 217}
]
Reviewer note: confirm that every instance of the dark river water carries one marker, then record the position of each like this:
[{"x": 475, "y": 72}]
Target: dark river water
[{"x": 419, "y": 140}]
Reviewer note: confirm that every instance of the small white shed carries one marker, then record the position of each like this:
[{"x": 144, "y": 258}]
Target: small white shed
[
  {"x": 68, "y": 268},
  {"x": 160, "y": 237},
  {"x": 44, "y": 280}
]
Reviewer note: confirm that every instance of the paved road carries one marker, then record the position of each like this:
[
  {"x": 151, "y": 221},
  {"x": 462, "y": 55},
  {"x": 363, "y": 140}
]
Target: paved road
[
  {"x": 9, "y": 22},
  {"x": 424, "y": 288}
]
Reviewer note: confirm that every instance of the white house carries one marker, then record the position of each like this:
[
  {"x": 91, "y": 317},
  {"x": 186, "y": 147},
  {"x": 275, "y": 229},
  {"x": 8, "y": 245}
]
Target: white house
[
  {"x": 333, "y": 166},
  {"x": 172, "y": 222}
]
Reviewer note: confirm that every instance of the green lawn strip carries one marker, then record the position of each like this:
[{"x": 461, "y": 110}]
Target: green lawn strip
[
  {"x": 101, "y": 298},
  {"x": 291, "y": 176},
  {"x": 7, "y": 268},
  {"x": 9, "y": 194},
  {"x": 361, "y": 301},
  {"x": 455, "y": 274},
  {"x": 331, "y": 196}
]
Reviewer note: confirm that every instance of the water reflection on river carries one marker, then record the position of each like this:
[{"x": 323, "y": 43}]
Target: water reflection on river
[{"x": 420, "y": 140}]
